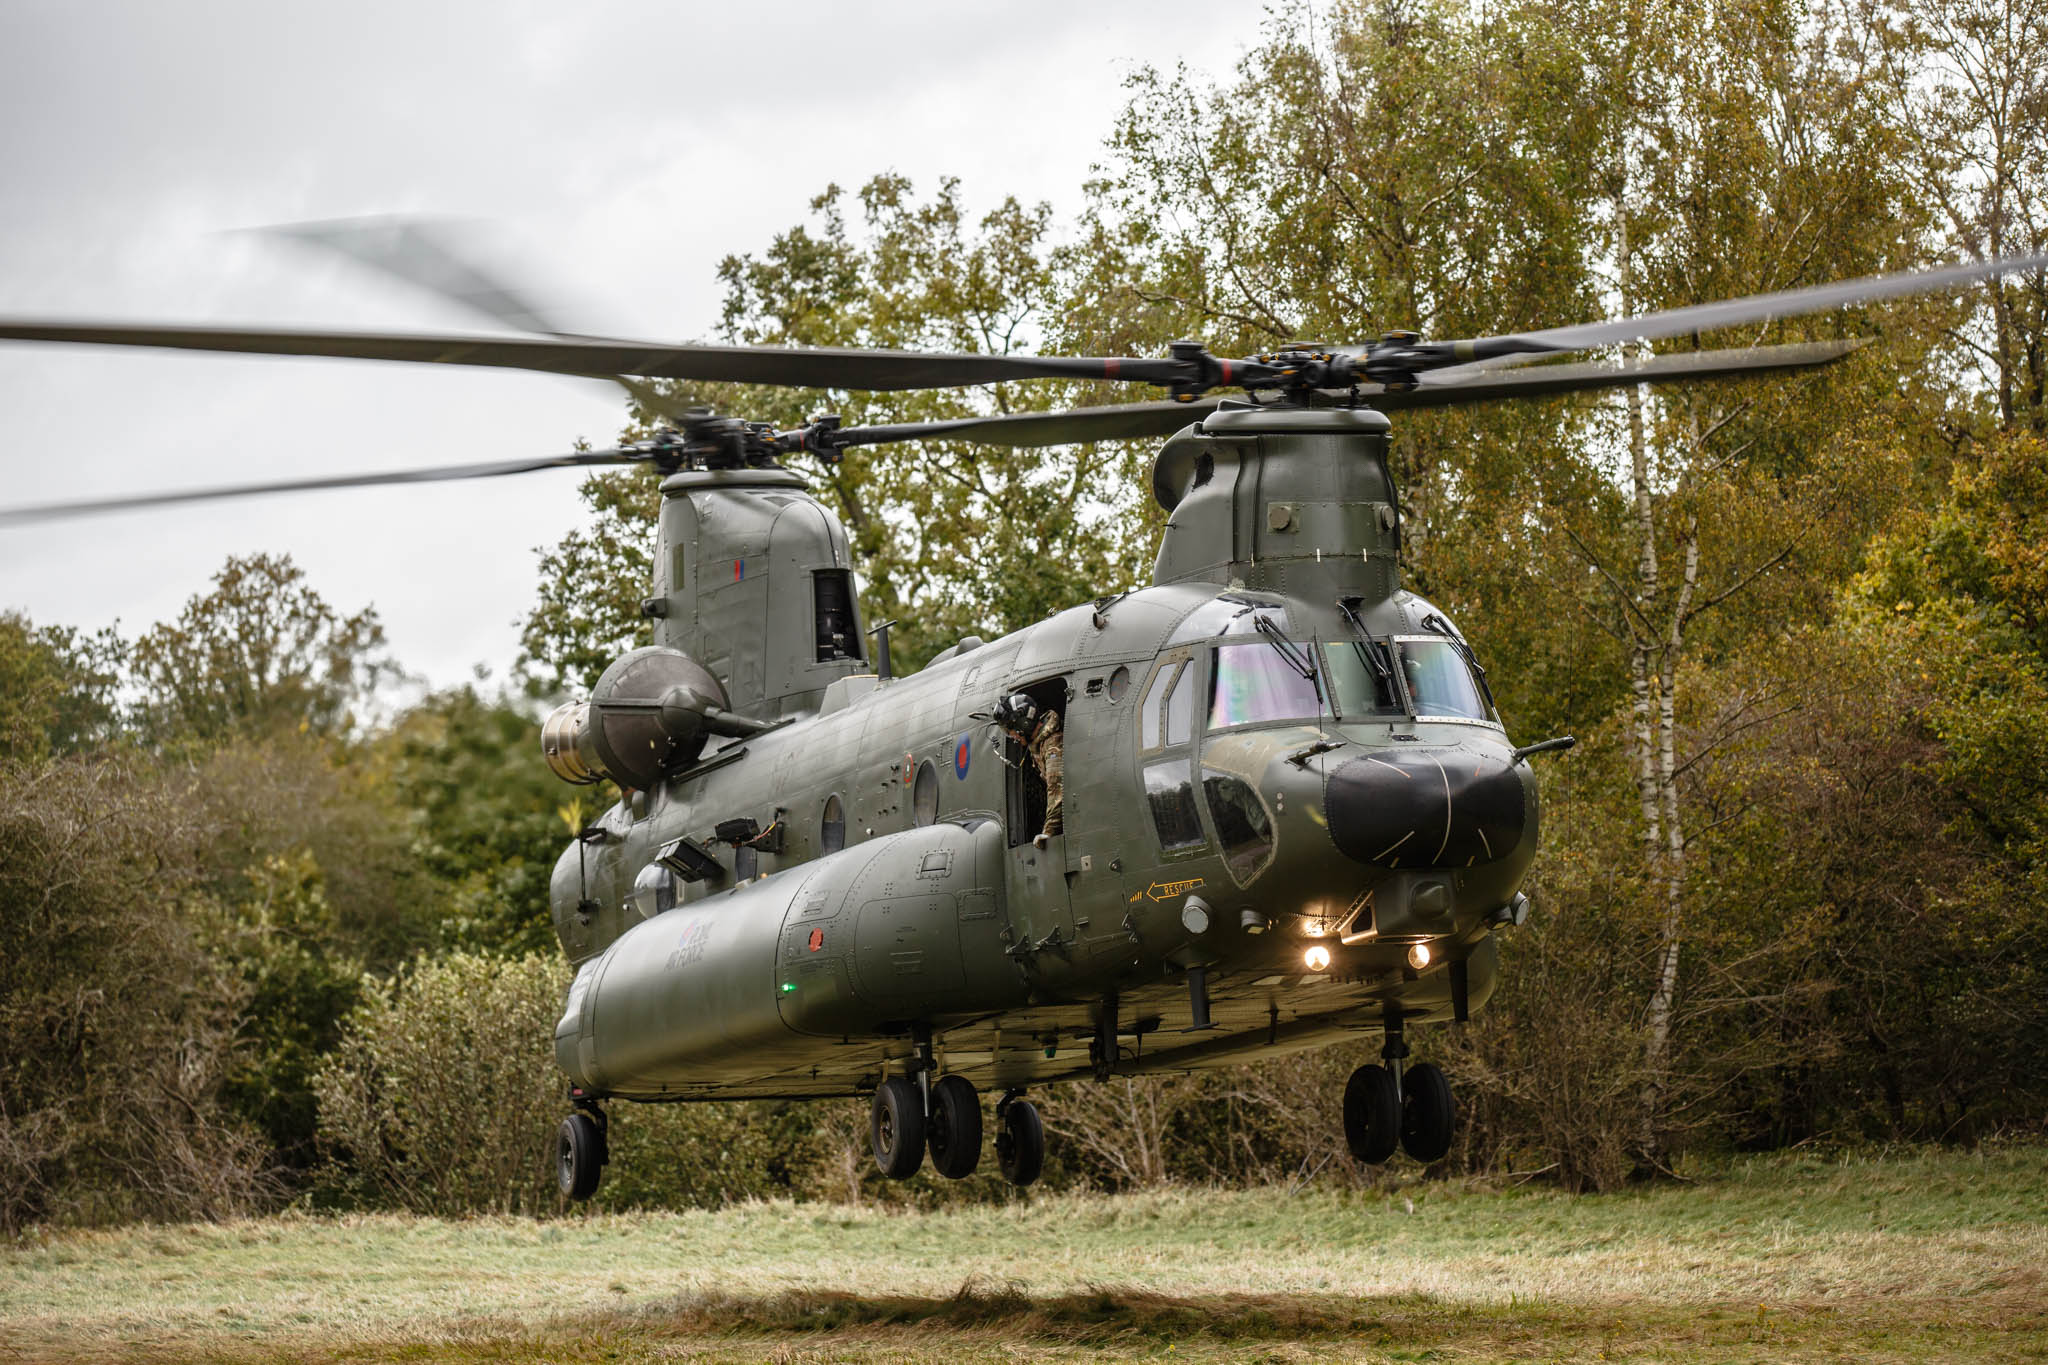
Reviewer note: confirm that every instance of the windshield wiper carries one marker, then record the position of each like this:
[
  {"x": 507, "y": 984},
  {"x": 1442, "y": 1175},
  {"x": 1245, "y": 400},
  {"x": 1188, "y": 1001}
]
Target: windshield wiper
[
  {"x": 1376, "y": 654},
  {"x": 1297, "y": 658},
  {"x": 1443, "y": 628}
]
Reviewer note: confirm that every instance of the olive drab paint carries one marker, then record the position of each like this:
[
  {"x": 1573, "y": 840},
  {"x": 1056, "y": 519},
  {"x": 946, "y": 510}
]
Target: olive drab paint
[{"x": 817, "y": 957}]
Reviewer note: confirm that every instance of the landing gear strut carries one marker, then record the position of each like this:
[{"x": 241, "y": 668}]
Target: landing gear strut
[
  {"x": 1391, "y": 1105},
  {"x": 582, "y": 1148},
  {"x": 914, "y": 1113}
]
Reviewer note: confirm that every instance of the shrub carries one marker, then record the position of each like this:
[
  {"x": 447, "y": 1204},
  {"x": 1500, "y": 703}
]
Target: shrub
[{"x": 442, "y": 1095}]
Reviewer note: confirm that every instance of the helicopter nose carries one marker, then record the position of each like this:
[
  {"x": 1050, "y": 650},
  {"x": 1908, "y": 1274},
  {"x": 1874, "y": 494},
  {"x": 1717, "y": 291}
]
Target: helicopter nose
[{"x": 1426, "y": 808}]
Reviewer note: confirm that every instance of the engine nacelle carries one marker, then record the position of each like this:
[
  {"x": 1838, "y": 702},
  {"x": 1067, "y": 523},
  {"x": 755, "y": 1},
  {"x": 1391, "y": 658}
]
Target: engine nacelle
[{"x": 650, "y": 714}]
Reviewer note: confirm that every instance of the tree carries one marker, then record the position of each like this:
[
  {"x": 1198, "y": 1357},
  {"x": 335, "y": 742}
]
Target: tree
[
  {"x": 118, "y": 1028},
  {"x": 1967, "y": 84},
  {"x": 57, "y": 687},
  {"x": 483, "y": 816},
  {"x": 950, "y": 538},
  {"x": 1742, "y": 156},
  {"x": 261, "y": 654}
]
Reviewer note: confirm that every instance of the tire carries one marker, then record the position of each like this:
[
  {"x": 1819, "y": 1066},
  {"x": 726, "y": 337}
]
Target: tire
[
  {"x": 896, "y": 1126},
  {"x": 1020, "y": 1143},
  {"x": 1372, "y": 1115},
  {"x": 1427, "y": 1115},
  {"x": 953, "y": 1130},
  {"x": 579, "y": 1156}
]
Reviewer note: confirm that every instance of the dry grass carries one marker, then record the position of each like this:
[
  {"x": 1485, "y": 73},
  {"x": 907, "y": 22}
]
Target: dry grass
[{"x": 1929, "y": 1257}]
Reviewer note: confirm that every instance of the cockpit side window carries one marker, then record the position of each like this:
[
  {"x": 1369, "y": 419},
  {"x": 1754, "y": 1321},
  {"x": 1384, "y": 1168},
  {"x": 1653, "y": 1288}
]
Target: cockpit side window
[
  {"x": 1165, "y": 715},
  {"x": 1166, "y": 732}
]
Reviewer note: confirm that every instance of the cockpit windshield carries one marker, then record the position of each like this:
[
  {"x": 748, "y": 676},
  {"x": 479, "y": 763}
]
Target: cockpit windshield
[
  {"x": 1439, "y": 680},
  {"x": 1256, "y": 683},
  {"x": 1362, "y": 678}
]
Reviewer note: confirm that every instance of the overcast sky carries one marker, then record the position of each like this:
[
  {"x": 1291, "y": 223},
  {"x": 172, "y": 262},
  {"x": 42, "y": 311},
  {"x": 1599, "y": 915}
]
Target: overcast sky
[{"x": 619, "y": 150}]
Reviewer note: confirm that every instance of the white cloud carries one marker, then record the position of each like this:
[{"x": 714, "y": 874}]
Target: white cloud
[{"x": 624, "y": 148}]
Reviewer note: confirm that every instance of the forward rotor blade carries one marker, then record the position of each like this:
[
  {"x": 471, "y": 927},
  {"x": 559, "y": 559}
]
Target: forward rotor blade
[
  {"x": 55, "y": 511},
  {"x": 421, "y": 252},
  {"x": 1128, "y": 421},
  {"x": 424, "y": 253},
  {"x": 602, "y": 357},
  {"x": 1119, "y": 422},
  {"x": 1707, "y": 317}
]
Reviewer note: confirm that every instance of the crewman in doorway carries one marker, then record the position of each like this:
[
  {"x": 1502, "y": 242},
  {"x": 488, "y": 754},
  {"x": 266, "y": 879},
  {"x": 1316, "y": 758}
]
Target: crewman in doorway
[{"x": 1037, "y": 729}]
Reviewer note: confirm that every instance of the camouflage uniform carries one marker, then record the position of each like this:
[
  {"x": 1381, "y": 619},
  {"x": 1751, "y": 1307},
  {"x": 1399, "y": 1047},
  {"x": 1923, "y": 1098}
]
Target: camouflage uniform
[{"x": 1045, "y": 752}]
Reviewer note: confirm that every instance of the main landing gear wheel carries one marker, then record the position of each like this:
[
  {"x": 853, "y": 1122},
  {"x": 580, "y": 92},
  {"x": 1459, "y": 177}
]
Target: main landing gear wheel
[
  {"x": 579, "y": 1156},
  {"x": 1020, "y": 1142},
  {"x": 1426, "y": 1112},
  {"x": 896, "y": 1123},
  {"x": 953, "y": 1129},
  {"x": 1372, "y": 1114}
]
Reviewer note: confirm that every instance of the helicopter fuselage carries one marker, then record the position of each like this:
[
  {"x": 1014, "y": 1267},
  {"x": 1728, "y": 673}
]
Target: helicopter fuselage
[{"x": 1290, "y": 817}]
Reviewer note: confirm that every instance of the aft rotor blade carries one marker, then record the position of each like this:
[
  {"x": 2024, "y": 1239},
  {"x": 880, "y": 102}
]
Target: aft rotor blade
[
  {"x": 1707, "y": 317},
  {"x": 787, "y": 367},
  {"x": 55, "y": 511},
  {"x": 1474, "y": 385},
  {"x": 1134, "y": 420}
]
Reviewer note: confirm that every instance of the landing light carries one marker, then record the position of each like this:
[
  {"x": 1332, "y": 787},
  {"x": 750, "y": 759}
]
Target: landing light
[
  {"x": 1418, "y": 956},
  {"x": 1317, "y": 958}
]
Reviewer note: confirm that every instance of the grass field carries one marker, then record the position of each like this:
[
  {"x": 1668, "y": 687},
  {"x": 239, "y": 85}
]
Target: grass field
[{"x": 1923, "y": 1258}]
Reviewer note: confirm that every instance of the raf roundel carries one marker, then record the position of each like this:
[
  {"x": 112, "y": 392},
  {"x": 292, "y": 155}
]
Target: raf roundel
[{"x": 962, "y": 752}]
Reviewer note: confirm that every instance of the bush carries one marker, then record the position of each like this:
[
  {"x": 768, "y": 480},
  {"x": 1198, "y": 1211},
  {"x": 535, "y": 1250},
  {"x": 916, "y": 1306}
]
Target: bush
[
  {"x": 442, "y": 1095},
  {"x": 118, "y": 1028}
]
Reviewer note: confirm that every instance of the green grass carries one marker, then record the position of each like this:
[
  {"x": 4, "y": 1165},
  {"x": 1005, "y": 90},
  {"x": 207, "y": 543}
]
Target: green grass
[{"x": 1924, "y": 1257}]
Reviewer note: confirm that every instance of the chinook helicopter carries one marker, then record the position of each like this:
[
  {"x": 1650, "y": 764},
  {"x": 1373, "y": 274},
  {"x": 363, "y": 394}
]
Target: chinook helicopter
[{"x": 1292, "y": 813}]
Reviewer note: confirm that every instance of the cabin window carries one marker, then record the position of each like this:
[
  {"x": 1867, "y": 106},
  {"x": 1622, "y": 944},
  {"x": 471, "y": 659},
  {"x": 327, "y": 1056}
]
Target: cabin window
[
  {"x": 924, "y": 795},
  {"x": 1255, "y": 684},
  {"x": 1171, "y": 795},
  {"x": 1242, "y": 825},
  {"x": 832, "y": 826},
  {"x": 1119, "y": 683}
]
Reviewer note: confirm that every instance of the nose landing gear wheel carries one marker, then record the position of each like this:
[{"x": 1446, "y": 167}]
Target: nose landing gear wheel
[
  {"x": 1372, "y": 1115},
  {"x": 1020, "y": 1142},
  {"x": 579, "y": 1156},
  {"x": 1426, "y": 1112},
  {"x": 896, "y": 1123},
  {"x": 954, "y": 1128}
]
